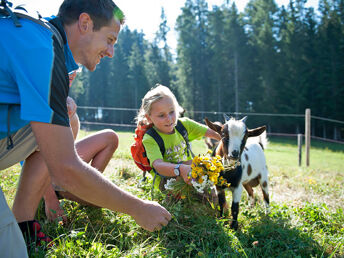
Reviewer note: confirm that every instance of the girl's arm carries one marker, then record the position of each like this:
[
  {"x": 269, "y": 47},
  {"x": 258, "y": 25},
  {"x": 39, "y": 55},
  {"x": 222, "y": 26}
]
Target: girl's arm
[
  {"x": 167, "y": 169},
  {"x": 212, "y": 134}
]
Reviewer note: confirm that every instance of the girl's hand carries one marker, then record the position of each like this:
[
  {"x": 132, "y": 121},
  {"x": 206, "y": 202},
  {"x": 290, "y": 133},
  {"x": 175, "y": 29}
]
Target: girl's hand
[{"x": 184, "y": 173}]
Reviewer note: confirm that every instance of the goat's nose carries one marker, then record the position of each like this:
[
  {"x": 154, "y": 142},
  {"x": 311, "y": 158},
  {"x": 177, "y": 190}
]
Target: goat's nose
[{"x": 235, "y": 154}]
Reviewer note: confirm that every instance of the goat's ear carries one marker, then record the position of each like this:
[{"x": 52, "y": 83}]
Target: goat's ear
[
  {"x": 257, "y": 131},
  {"x": 212, "y": 125},
  {"x": 243, "y": 119},
  {"x": 226, "y": 117}
]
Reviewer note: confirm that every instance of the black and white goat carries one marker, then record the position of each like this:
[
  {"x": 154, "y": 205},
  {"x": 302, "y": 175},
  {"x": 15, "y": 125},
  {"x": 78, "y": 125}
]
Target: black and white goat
[{"x": 240, "y": 143}]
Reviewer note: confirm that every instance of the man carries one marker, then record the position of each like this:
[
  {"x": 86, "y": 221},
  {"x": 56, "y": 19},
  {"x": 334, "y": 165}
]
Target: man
[{"x": 33, "y": 114}]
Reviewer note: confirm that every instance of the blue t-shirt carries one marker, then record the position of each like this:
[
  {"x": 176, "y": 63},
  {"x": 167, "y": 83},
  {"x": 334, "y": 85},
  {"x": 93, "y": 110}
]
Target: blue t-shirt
[{"x": 33, "y": 75}]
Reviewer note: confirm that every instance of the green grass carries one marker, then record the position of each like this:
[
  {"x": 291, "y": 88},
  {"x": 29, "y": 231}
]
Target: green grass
[{"x": 305, "y": 219}]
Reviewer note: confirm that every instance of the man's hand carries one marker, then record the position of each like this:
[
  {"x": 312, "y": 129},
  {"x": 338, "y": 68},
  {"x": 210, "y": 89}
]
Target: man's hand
[{"x": 151, "y": 216}]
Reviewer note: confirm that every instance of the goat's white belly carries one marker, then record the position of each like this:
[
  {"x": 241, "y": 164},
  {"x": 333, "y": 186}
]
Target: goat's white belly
[{"x": 253, "y": 162}]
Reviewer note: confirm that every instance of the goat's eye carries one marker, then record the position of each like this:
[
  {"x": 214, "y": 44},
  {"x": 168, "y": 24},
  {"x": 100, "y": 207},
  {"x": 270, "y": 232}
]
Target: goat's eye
[{"x": 225, "y": 137}]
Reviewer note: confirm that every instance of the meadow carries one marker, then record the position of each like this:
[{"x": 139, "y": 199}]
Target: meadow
[{"x": 305, "y": 220}]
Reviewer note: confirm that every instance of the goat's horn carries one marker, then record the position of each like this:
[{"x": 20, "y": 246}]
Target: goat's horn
[
  {"x": 243, "y": 119},
  {"x": 226, "y": 117}
]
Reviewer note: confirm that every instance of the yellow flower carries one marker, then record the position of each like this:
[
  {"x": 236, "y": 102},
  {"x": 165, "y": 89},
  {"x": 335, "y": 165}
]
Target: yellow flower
[
  {"x": 193, "y": 174},
  {"x": 211, "y": 167}
]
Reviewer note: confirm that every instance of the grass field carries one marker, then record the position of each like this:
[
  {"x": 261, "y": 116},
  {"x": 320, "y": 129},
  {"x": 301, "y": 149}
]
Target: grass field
[{"x": 305, "y": 220}]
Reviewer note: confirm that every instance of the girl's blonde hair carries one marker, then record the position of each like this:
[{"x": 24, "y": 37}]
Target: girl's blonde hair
[{"x": 153, "y": 95}]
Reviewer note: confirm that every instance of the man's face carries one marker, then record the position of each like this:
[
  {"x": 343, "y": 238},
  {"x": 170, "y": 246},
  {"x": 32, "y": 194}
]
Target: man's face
[{"x": 98, "y": 44}]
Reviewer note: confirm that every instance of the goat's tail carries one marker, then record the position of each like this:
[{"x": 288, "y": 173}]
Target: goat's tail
[{"x": 263, "y": 140}]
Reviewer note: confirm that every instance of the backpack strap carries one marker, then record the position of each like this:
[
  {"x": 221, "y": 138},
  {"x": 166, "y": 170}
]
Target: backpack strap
[
  {"x": 154, "y": 134},
  {"x": 182, "y": 130},
  {"x": 6, "y": 11}
]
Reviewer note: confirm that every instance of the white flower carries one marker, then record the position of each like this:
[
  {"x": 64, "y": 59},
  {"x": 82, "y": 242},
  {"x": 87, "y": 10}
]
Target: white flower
[{"x": 170, "y": 184}]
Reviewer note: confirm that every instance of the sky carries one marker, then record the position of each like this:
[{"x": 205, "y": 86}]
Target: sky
[{"x": 144, "y": 15}]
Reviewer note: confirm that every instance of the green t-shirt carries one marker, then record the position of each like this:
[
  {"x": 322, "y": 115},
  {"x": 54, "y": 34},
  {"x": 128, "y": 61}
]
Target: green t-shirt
[{"x": 175, "y": 146}]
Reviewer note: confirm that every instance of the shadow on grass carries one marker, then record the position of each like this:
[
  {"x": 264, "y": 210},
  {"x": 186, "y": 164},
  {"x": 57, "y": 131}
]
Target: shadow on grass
[
  {"x": 273, "y": 236},
  {"x": 196, "y": 232}
]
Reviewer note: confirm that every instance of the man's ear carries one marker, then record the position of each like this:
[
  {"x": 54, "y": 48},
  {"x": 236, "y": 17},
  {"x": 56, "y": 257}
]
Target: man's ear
[{"x": 85, "y": 23}]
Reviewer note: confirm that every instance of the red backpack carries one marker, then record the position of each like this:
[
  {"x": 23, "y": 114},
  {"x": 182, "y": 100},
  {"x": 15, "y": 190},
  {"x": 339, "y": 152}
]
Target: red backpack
[{"x": 138, "y": 151}]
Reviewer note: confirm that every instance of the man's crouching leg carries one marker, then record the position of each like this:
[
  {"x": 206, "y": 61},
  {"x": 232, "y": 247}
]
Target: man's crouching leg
[{"x": 12, "y": 243}]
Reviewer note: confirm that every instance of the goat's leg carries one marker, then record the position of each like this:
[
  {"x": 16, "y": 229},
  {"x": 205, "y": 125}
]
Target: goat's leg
[
  {"x": 235, "y": 206},
  {"x": 264, "y": 184},
  {"x": 249, "y": 191},
  {"x": 222, "y": 202}
]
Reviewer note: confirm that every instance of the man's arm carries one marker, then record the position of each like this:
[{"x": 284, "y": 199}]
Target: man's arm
[{"x": 70, "y": 172}]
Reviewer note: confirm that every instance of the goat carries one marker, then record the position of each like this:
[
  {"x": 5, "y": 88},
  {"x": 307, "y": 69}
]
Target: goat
[
  {"x": 238, "y": 143},
  {"x": 210, "y": 142}
]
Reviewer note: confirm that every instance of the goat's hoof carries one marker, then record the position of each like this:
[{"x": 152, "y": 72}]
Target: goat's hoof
[{"x": 234, "y": 225}]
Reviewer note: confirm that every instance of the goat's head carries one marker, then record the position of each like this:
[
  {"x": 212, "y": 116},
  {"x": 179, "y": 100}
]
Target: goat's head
[{"x": 234, "y": 134}]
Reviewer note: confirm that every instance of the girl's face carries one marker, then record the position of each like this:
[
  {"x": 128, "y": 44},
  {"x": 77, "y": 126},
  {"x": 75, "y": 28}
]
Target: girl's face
[{"x": 163, "y": 115}]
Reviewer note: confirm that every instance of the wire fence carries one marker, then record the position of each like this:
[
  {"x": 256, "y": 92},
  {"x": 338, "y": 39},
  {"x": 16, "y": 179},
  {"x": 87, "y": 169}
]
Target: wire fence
[{"x": 284, "y": 125}]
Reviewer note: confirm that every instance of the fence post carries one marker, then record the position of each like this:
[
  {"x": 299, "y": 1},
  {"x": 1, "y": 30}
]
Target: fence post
[
  {"x": 307, "y": 134},
  {"x": 299, "y": 144}
]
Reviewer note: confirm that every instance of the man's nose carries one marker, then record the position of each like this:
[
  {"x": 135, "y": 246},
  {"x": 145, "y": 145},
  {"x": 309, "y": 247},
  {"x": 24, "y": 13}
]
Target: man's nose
[{"x": 110, "y": 51}]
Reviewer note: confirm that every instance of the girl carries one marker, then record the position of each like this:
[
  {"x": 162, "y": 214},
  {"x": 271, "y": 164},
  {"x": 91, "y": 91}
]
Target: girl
[{"x": 160, "y": 108}]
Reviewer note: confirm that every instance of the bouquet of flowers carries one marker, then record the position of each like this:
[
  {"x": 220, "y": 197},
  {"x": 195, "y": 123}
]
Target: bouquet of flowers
[{"x": 205, "y": 174}]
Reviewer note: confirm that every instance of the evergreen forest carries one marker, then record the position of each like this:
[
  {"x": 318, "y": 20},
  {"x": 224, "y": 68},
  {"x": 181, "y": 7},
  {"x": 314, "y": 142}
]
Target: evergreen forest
[{"x": 267, "y": 59}]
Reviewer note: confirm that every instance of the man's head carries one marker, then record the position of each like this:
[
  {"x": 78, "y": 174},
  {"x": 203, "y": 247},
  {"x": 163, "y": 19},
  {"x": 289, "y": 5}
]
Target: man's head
[
  {"x": 101, "y": 12},
  {"x": 92, "y": 28}
]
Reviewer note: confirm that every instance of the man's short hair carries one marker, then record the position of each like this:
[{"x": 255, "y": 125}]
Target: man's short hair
[{"x": 101, "y": 12}]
